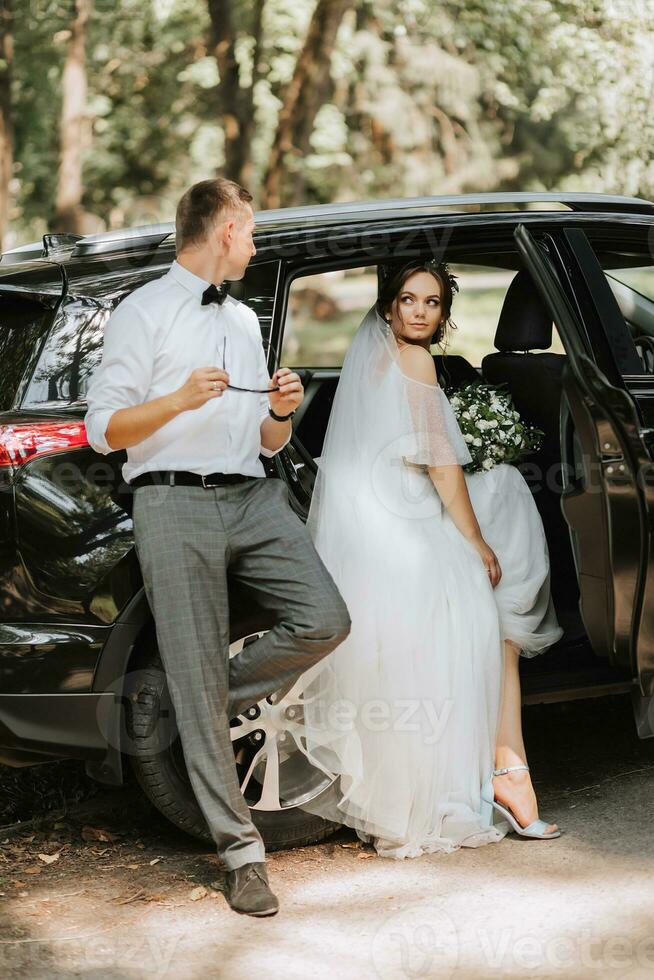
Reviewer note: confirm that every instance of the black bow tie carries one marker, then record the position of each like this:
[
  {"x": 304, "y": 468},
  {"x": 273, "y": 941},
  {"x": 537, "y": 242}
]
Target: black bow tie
[{"x": 215, "y": 294}]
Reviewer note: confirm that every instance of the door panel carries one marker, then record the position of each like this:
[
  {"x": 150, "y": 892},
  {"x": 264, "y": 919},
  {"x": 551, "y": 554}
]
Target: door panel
[
  {"x": 604, "y": 501},
  {"x": 602, "y": 507}
]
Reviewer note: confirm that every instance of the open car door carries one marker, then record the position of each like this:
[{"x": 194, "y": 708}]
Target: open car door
[{"x": 608, "y": 474}]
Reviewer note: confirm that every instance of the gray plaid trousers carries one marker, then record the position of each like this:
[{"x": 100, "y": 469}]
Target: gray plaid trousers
[{"x": 186, "y": 537}]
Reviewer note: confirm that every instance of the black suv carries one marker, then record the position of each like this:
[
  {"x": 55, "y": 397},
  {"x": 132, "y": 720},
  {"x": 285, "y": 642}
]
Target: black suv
[{"x": 80, "y": 674}]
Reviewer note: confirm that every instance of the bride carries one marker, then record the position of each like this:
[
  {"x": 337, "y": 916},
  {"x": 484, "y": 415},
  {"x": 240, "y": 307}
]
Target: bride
[{"x": 446, "y": 578}]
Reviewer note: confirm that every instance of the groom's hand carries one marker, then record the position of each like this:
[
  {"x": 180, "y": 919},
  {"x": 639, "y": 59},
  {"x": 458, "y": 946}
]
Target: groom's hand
[
  {"x": 290, "y": 394},
  {"x": 203, "y": 383}
]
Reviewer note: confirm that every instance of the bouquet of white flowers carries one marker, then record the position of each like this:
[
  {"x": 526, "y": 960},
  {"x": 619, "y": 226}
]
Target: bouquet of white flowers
[{"x": 491, "y": 426}]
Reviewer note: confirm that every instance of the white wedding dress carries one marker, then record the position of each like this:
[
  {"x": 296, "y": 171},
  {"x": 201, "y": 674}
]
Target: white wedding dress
[{"x": 405, "y": 711}]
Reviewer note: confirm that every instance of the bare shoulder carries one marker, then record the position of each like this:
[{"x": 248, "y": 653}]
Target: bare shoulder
[{"x": 418, "y": 364}]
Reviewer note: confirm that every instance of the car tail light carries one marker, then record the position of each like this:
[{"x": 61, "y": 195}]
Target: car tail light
[{"x": 24, "y": 441}]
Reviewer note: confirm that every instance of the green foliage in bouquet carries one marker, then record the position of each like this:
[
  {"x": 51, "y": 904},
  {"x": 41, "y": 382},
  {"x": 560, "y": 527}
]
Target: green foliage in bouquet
[{"x": 491, "y": 426}]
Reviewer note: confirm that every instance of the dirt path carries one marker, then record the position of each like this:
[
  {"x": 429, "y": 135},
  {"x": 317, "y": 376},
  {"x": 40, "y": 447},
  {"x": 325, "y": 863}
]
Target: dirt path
[{"x": 112, "y": 891}]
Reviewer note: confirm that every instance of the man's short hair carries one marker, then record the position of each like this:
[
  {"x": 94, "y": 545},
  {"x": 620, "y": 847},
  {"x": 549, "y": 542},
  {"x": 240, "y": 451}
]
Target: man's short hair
[{"x": 202, "y": 203}]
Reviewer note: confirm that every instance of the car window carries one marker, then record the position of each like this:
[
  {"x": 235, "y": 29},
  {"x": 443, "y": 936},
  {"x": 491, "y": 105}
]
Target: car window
[
  {"x": 641, "y": 279},
  {"x": 23, "y": 324},
  {"x": 73, "y": 349},
  {"x": 629, "y": 271},
  {"x": 70, "y": 356},
  {"x": 323, "y": 313},
  {"x": 325, "y": 309},
  {"x": 476, "y": 311}
]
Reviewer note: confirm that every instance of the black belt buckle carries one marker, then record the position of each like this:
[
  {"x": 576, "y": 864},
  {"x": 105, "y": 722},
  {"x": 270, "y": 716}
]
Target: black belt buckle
[{"x": 208, "y": 485}]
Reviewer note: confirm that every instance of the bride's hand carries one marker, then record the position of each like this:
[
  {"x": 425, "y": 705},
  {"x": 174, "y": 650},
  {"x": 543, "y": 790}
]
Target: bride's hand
[{"x": 489, "y": 558}]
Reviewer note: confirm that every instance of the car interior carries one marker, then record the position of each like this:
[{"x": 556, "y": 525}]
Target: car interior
[{"x": 522, "y": 360}]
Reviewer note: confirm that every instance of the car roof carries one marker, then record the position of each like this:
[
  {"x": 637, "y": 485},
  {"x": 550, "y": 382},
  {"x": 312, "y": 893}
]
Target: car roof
[{"x": 130, "y": 256}]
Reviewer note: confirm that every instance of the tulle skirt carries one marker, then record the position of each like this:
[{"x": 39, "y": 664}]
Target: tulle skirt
[
  {"x": 511, "y": 525},
  {"x": 404, "y": 712}
]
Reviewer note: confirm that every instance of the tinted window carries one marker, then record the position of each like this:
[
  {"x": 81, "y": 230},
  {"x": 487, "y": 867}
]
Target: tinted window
[
  {"x": 22, "y": 326},
  {"x": 74, "y": 347},
  {"x": 640, "y": 279},
  {"x": 257, "y": 290},
  {"x": 70, "y": 356}
]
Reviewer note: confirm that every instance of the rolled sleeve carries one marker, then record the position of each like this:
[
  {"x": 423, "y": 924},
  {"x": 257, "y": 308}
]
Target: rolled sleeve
[
  {"x": 123, "y": 376},
  {"x": 273, "y": 452}
]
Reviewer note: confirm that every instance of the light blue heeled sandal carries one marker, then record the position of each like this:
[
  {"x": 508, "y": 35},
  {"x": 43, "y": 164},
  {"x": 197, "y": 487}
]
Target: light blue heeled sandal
[{"x": 536, "y": 829}]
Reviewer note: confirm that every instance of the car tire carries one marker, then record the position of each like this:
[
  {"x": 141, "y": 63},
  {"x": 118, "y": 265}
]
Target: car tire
[{"x": 157, "y": 761}]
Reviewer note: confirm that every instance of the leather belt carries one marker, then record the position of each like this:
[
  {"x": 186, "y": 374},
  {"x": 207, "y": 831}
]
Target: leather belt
[{"x": 186, "y": 478}]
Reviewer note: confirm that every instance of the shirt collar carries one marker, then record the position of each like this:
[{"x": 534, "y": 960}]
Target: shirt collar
[{"x": 194, "y": 284}]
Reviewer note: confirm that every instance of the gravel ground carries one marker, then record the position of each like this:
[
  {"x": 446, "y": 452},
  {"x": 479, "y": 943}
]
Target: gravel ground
[{"x": 102, "y": 887}]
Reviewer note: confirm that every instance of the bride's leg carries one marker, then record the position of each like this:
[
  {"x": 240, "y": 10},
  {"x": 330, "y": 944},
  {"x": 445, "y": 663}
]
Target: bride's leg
[{"x": 514, "y": 789}]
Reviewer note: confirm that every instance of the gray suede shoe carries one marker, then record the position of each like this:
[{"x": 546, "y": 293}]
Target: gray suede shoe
[{"x": 247, "y": 890}]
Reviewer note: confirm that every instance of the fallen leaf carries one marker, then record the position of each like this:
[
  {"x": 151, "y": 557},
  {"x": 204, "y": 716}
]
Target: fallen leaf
[
  {"x": 49, "y": 858},
  {"x": 34, "y": 870},
  {"x": 155, "y": 861},
  {"x": 198, "y": 893}
]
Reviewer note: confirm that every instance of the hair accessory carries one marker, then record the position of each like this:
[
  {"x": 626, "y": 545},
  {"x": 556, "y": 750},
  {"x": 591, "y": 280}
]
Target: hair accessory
[
  {"x": 442, "y": 269},
  {"x": 388, "y": 269}
]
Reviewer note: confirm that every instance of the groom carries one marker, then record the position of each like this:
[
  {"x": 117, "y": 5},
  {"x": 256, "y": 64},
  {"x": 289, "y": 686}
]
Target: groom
[{"x": 202, "y": 504}]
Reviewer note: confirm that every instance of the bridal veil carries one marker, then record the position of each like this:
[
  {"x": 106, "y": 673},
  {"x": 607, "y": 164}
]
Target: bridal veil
[{"x": 403, "y": 713}]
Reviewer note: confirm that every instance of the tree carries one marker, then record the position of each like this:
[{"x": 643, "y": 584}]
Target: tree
[
  {"x": 309, "y": 89},
  {"x": 6, "y": 121},
  {"x": 235, "y": 91},
  {"x": 73, "y": 126}
]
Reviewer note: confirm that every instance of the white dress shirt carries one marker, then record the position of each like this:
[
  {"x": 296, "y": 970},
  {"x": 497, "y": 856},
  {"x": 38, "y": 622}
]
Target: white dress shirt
[{"x": 153, "y": 340}]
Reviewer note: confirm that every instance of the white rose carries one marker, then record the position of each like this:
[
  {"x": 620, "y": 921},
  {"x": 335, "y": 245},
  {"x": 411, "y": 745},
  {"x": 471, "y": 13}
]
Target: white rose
[
  {"x": 487, "y": 464},
  {"x": 468, "y": 437},
  {"x": 476, "y": 442}
]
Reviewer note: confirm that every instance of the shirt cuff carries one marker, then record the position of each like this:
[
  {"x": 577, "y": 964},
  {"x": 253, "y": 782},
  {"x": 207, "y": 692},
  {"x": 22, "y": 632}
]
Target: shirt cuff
[
  {"x": 273, "y": 452},
  {"x": 96, "y": 425}
]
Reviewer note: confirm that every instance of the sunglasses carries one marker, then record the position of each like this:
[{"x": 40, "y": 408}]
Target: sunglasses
[{"x": 258, "y": 391}]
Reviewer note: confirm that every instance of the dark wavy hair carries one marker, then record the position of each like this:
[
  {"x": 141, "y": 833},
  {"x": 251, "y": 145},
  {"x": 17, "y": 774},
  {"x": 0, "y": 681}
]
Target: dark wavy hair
[{"x": 392, "y": 278}]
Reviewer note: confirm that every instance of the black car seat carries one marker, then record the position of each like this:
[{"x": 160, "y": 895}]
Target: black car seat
[
  {"x": 534, "y": 382},
  {"x": 454, "y": 371}
]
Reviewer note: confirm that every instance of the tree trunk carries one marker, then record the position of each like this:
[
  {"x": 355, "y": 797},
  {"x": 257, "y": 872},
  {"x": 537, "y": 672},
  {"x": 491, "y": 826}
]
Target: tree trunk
[
  {"x": 236, "y": 102},
  {"x": 73, "y": 126},
  {"x": 6, "y": 124},
  {"x": 306, "y": 92}
]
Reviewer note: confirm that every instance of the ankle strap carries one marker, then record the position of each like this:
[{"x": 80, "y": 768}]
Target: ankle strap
[{"x": 500, "y": 772}]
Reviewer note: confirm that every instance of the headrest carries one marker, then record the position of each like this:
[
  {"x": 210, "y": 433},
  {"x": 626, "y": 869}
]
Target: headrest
[{"x": 524, "y": 323}]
